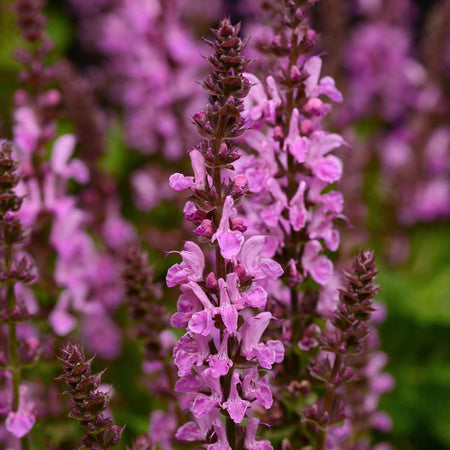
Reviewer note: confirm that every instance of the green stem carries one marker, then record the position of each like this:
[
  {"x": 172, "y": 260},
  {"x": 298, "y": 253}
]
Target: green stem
[
  {"x": 328, "y": 402},
  {"x": 14, "y": 358}
]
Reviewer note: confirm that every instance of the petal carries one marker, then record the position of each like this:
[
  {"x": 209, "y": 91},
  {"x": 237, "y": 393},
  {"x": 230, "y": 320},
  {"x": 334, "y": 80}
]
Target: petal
[
  {"x": 179, "y": 182},
  {"x": 203, "y": 404},
  {"x": 229, "y": 316},
  {"x": 327, "y": 87},
  {"x": 328, "y": 169},
  {"x": 190, "y": 431},
  {"x": 177, "y": 274},
  {"x": 298, "y": 149},
  {"x": 199, "y": 167},
  {"x": 201, "y": 323},
  {"x": 62, "y": 150},
  {"x": 237, "y": 410},
  {"x": 271, "y": 268},
  {"x": 322, "y": 270},
  {"x": 312, "y": 66},
  {"x": 19, "y": 424},
  {"x": 230, "y": 243},
  {"x": 256, "y": 298}
]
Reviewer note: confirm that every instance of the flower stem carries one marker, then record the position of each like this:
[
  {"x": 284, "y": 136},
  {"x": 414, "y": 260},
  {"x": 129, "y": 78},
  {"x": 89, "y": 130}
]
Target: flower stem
[
  {"x": 217, "y": 180},
  {"x": 328, "y": 402},
  {"x": 14, "y": 358}
]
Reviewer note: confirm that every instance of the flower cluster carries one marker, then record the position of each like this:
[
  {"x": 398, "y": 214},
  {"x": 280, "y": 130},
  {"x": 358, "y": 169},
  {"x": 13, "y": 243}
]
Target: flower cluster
[
  {"x": 220, "y": 356},
  {"x": 289, "y": 163},
  {"x": 16, "y": 271},
  {"x": 151, "y": 323},
  {"x": 86, "y": 275},
  {"x": 290, "y": 172},
  {"x": 399, "y": 99},
  {"x": 271, "y": 346},
  {"x": 343, "y": 337},
  {"x": 89, "y": 401}
]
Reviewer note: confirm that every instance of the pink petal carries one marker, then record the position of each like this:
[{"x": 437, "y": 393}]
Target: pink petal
[
  {"x": 201, "y": 323},
  {"x": 230, "y": 243},
  {"x": 19, "y": 424},
  {"x": 179, "y": 182},
  {"x": 328, "y": 169}
]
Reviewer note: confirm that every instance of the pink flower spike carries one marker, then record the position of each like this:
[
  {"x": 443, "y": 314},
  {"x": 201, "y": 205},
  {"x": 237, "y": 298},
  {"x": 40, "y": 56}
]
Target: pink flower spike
[
  {"x": 230, "y": 242},
  {"x": 20, "y": 422},
  {"x": 235, "y": 405},
  {"x": 319, "y": 266}
]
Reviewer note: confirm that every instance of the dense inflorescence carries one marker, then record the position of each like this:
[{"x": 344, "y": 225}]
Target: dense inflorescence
[
  {"x": 343, "y": 336},
  {"x": 90, "y": 403},
  {"x": 16, "y": 271},
  {"x": 220, "y": 356},
  {"x": 271, "y": 346}
]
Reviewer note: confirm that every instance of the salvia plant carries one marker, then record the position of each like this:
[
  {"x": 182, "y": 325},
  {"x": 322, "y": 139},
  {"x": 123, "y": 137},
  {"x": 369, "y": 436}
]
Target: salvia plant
[{"x": 199, "y": 239}]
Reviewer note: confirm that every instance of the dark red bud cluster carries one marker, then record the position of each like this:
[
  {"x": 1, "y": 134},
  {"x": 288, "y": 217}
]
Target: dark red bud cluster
[
  {"x": 143, "y": 298},
  {"x": 89, "y": 402},
  {"x": 226, "y": 87}
]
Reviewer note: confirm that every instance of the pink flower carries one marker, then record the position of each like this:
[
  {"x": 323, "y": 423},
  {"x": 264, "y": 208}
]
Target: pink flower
[
  {"x": 294, "y": 142},
  {"x": 220, "y": 363},
  {"x": 179, "y": 182},
  {"x": 257, "y": 388},
  {"x": 26, "y": 130},
  {"x": 321, "y": 226},
  {"x": 319, "y": 266},
  {"x": 189, "y": 352},
  {"x": 326, "y": 168},
  {"x": 116, "y": 230},
  {"x": 254, "y": 263},
  {"x": 326, "y": 86},
  {"x": 222, "y": 441},
  {"x": 235, "y": 405},
  {"x": 298, "y": 214},
  {"x": 190, "y": 269},
  {"x": 252, "y": 331},
  {"x": 201, "y": 322},
  {"x": 60, "y": 319},
  {"x": 251, "y": 443},
  {"x": 63, "y": 149},
  {"x": 230, "y": 242},
  {"x": 20, "y": 422},
  {"x": 227, "y": 311}
]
